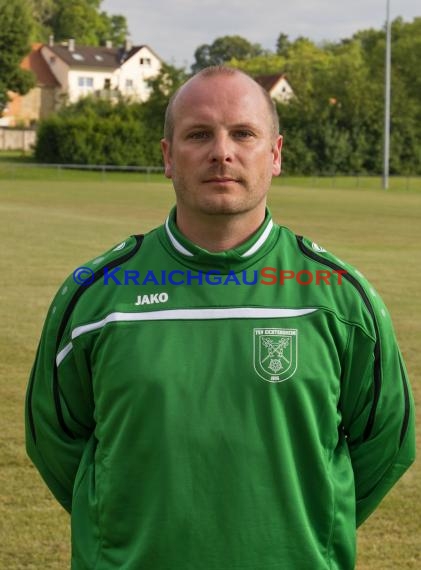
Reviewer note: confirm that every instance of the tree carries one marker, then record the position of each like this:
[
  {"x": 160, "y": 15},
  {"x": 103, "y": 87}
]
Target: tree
[
  {"x": 260, "y": 65},
  {"x": 114, "y": 28},
  {"x": 16, "y": 24},
  {"x": 79, "y": 19},
  {"x": 304, "y": 64},
  {"x": 407, "y": 54},
  {"x": 162, "y": 86},
  {"x": 224, "y": 49},
  {"x": 282, "y": 45},
  {"x": 42, "y": 11}
]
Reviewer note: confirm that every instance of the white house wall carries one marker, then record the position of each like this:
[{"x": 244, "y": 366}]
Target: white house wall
[
  {"x": 282, "y": 91},
  {"x": 141, "y": 66},
  {"x": 93, "y": 80}
]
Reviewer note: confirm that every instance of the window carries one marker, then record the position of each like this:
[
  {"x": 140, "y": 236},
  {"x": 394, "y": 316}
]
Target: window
[
  {"x": 145, "y": 61},
  {"x": 129, "y": 83},
  {"x": 107, "y": 83},
  {"x": 85, "y": 83},
  {"x": 78, "y": 56}
]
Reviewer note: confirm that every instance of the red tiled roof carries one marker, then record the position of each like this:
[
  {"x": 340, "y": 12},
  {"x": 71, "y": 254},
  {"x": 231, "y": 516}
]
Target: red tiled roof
[{"x": 35, "y": 62}]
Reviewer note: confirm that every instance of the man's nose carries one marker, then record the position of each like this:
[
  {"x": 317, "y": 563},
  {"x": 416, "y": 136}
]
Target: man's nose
[{"x": 221, "y": 149}]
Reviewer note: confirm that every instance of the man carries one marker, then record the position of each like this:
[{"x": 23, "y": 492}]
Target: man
[{"x": 197, "y": 418}]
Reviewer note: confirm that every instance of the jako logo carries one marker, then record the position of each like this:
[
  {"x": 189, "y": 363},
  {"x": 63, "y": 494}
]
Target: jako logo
[{"x": 151, "y": 299}]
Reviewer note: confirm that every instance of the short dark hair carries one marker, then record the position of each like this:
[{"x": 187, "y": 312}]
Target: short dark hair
[{"x": 210, "y": 72}]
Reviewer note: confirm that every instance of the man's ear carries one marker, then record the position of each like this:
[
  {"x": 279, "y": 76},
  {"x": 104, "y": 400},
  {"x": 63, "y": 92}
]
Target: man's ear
[
  {"x": 277, "y": 158},
  {"x": 166, "y": 153}
]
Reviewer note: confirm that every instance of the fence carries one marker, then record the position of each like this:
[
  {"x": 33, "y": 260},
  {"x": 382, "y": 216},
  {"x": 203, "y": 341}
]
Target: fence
[
  {"x": 23, "y": 170},
  {"x": 19, "y": 169},
  {"x": 17, "y": 139}
]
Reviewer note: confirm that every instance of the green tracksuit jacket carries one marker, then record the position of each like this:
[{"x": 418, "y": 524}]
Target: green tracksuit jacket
[{"x": 193, "y": 415}]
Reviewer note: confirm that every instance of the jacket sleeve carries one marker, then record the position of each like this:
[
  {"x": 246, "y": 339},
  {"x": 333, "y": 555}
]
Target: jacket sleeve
[
  {"x": 378, "y": 411},
  {"x": 59, "y": 404}
]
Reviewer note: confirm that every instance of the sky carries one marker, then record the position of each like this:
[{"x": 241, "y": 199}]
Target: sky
[{"x": 175, "y": 28}]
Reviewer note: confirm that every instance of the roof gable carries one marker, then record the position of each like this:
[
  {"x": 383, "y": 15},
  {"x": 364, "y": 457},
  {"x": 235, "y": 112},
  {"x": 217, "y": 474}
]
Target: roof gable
[
  {"x": 36, "y": 63},
  {"x": 268, "y": 82}
]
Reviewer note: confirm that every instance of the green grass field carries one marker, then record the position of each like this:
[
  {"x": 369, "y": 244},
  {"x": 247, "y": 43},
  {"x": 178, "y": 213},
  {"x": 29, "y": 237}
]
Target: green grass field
[{"x": 51, "y": 223}]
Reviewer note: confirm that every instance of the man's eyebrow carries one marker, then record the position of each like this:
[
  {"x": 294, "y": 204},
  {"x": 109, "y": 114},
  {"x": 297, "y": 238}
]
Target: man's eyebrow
[
  {"x": 233, "y": 126},
  {"x": 245, "y": 126},
  {"x": 197, "y": 126}
]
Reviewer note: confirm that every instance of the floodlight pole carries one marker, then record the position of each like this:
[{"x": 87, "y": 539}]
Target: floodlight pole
[{"x": 387, "y": 99}]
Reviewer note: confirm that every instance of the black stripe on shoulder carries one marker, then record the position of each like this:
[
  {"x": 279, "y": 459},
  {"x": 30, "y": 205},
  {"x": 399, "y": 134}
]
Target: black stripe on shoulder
[
  {"x": 377, "y": 351},
  {"x": 97, "y": 275},
  {"x": 29, "y": 402},
  {"x": 405, "y": 420},
  {"x": 67, "y": 314}
]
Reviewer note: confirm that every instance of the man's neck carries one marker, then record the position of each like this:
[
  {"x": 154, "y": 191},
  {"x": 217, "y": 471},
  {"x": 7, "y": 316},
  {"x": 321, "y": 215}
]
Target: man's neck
[{"x": 217, "y": 233}]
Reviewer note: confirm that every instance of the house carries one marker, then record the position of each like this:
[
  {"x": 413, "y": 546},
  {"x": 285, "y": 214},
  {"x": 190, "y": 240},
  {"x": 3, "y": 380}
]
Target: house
[
  {"x": 103, "y": 71},
  {"x": 40, "y": 101},
  {"x": 277, "y": 86},
  {"x": 66, "y": 72}
]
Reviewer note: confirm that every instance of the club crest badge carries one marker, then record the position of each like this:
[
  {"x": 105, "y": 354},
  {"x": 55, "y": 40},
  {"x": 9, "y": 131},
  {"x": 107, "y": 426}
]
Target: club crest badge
[{"x": 275, "y": 353}]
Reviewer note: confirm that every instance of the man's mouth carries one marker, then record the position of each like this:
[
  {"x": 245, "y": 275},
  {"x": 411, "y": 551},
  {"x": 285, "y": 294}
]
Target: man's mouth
[{"x": 220, "y": 180}]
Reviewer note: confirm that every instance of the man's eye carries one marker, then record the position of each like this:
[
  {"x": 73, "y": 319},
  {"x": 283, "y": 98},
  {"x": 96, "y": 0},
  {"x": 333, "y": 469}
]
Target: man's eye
[
  {"x": 243, "y": 134},
  {"x": 199, "y": 135}
]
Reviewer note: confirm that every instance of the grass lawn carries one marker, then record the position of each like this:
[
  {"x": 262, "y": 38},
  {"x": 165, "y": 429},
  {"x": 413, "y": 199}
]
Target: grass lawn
[{"x": 51, "y": 223}]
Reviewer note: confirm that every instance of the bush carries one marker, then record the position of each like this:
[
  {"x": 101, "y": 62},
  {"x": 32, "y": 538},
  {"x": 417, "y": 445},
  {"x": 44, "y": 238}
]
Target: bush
[{"x": 98, "y": 132}]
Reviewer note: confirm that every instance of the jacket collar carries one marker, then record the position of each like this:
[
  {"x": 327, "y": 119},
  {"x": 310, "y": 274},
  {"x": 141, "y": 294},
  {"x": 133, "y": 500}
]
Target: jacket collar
[{"x": 256, "y": 244}]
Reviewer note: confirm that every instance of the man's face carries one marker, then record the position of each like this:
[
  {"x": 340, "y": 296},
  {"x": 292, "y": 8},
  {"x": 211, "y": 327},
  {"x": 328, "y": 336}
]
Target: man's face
[{"x": 223, "y": 153}]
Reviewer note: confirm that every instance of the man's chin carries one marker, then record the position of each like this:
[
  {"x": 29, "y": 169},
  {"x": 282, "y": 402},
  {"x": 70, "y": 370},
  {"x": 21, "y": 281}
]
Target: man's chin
[{"x": 224, "y": 208}]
